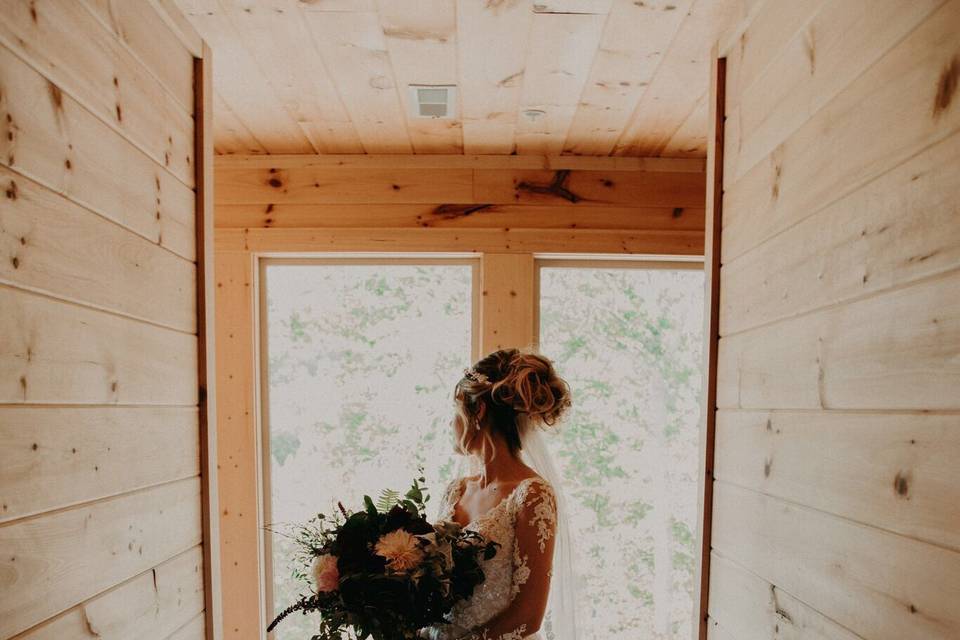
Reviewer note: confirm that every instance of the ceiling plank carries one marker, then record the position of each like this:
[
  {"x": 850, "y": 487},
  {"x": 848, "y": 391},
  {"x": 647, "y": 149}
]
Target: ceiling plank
[
  {"x": 241, "y": 83},
  {"x": 354, "y": 51},
  {"x": 690, "y": 140},
  {"x": 634, "y": 43},
  {"x": 668, "y": 101},
  {"x": 422, "y": 42},
  {"x": 276, "y": 35},
  {"x": 557, "y": 68},
  {"x": 492, "y": 39},
  {"x": 229, "y": 133}
]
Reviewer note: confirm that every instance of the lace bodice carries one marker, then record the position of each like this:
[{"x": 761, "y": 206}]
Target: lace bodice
[{"x": 508, "y": 570}]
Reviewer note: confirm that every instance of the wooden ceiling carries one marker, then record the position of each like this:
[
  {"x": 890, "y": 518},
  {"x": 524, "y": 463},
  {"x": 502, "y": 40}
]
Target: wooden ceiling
[{"x": 614, "y": 77}]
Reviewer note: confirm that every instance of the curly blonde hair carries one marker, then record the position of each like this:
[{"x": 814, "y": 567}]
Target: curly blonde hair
[{"x": 521, "y": 390}]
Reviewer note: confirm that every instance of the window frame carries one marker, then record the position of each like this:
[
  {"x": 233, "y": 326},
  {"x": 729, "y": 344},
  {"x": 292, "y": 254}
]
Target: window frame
[{"x": 264, "y": 486}]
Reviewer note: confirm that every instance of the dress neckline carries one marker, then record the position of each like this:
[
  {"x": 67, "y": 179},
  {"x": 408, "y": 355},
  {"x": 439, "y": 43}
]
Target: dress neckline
[{"x": 462, "y": 486}]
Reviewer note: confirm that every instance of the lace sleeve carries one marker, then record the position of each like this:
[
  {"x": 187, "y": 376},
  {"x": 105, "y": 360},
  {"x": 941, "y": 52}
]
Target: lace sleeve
[{"x": 535, "y": 525}]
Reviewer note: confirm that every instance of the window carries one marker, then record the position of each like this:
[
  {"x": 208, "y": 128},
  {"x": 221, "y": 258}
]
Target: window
[
  {"x": 629, "y": 342},
  {"x": 360, "y": 359}
]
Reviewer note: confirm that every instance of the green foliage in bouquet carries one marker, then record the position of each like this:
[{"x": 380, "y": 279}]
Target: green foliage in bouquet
[{"x": 384, "y": 571}]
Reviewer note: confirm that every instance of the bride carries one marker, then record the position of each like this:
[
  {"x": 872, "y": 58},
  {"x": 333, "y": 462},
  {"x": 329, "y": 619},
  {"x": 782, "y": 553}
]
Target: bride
[{"x": 502, "y": 403}]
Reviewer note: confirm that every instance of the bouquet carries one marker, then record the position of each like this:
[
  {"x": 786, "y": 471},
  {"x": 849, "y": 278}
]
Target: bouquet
[{"x": 384, "y": 571}]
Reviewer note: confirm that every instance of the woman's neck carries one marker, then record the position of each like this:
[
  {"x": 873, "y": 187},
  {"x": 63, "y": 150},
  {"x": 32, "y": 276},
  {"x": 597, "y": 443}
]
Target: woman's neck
[{"x": 500, "y": 464}]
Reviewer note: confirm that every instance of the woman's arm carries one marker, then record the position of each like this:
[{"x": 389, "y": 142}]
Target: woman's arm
[{"x": 536, "y": 526}]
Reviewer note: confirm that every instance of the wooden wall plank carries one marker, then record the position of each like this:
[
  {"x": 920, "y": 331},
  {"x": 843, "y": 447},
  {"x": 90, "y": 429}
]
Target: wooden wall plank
[
  {"x": 557, "y": 66},
  {"x": 421, "y": 39},
  {"x": 900, "y": 227},
  {"x": 70, "y": 47},
  {"x": 770, "y": 27},
  {"x": 237, "y": 457},
  {"x": 824, "y": 57},
  {"x": 57, "y": 352},
  {"x": 653, "y": 241},
  {"x": 877, "y": 584},
  {"x": 895, "y": 350},
  {"x": 46, "y": 135},
  {"x": 491, "y": 78},
  {"x": 55, "y": 561},
  {"x": 179, "y": 24},
  {"x": 507, "y": 310},
  {"x": 591, "y": 188},
  {"x": 462, "y": 217},
  {"x": 623, "y": 67},
  {"x": 753, "y": 609},
  {"x": 52, "y": 245},
  {"x": 193, "y": 630},
  {"x": 890, "y": 113},
  {"x": 441, "y": 161},
  {"x": 331, "y": 186},
  {"x": 141, "y": 26},
  {"x": 150, "y": 606},
  {"x": 56, "y": 457},
  {"x": 895, "y": 471}
]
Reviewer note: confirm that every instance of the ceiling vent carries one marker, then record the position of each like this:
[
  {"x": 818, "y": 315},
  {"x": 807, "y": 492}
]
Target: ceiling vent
[{"x": 433, "y": 101}]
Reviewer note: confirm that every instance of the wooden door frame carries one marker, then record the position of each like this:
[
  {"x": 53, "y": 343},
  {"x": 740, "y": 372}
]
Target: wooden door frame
[
  {"x": 507, "y": 315},
  {"x": 711, "y": 333},
  {"x": 206, "y": 327}
]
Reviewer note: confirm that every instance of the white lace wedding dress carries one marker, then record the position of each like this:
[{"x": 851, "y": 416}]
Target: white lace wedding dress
[{"x": 507, "y": 572}]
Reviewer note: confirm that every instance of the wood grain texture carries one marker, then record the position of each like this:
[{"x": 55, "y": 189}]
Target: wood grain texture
[
  {"x": 623, "y": 67},
  {"x": 48, "y": 136},
  {"x": 668, "y": 101},
  {"x": 57, "y": 352},
  {"x": 465, "y": 161},
  {"x": 421, "y": 39},
  {"x": 838, "y": 43},
  {"x": 894, "y": 471},
  {"x": 559, "y": 58},
  {"x": 79, "y": 55},
  {"x": 50, "y": 244},
  {"x": 279, "y": 39},
  {"x": 895, "y": 350},
  {"x": 237, "y": 458},
  {"x": 753, "y": 609},
  {"x": 150, "y": 606},
  {"x": 469, "y": 216},
  {"x": 889, "y": 113},
  {"x": 599, "y": 70},
  {"x": 507, "y": 307},
  {"x": 901, "y": 227},
  {"x": 57, "y": 457},
  {"x": 874, "y": 583},
  {"x": 145, "y": 30},
  {"x": 321, "y": 185},
  {"x": 87, "y": 549},
  {"x": 653, "y": 241}
]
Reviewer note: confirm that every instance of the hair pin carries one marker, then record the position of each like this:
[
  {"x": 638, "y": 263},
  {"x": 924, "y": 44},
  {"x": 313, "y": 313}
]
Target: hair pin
[{"x": 476, "y": 376}]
